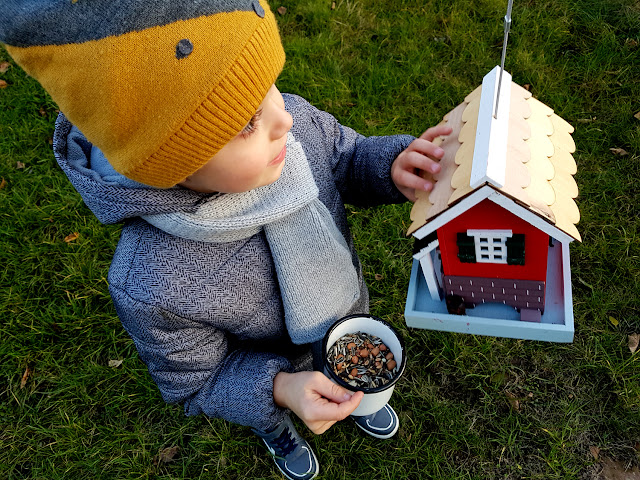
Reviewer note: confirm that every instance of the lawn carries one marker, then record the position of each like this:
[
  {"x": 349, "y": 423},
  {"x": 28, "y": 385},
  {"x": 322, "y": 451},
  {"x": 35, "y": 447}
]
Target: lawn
[{"x": 76, "y": 402}]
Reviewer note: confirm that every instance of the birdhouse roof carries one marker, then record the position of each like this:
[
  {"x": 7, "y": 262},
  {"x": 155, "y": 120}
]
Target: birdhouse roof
[{"x": 538, "y": 168}]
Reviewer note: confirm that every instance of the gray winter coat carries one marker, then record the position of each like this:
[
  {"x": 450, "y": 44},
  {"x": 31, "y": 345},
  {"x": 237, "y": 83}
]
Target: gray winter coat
[{"x": 207, "y": 318}]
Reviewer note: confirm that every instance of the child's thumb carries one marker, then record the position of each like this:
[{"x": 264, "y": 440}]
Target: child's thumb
[{"x": 339, "y": 394}]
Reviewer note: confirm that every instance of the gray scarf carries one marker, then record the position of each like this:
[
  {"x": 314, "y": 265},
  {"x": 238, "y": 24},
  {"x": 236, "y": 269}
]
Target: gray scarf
[{"x": 317, "y": 278}]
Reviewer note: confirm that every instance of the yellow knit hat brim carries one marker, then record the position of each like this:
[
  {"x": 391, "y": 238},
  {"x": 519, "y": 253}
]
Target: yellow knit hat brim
[{"x": 225, "y": 111}]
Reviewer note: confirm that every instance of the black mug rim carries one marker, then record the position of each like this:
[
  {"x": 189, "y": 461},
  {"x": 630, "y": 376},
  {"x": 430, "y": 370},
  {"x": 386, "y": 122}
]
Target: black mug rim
[{"x": 344, "y": 384}]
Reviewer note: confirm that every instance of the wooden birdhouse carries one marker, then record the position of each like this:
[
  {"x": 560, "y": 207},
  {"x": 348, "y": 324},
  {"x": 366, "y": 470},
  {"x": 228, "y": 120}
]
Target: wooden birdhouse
[{"x": 492, "y": 237}]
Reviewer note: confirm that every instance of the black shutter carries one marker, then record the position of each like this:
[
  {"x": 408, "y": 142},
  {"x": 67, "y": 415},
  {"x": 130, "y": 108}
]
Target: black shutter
[
  {"x": 515, "y": 249},
  {"x": 466, "y": 248}
]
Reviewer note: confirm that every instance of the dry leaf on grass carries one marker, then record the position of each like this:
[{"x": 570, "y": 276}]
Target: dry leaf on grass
[
  {"x": 634, "y": 339},
  {"x": 115, "y": 363},
  {"x": 282, "y": 10},
  {"x": 3, "y": 183},
  {"x": 333, "y": 5},
  {"x": 19, "y": 165},
  {"x": 25, "y": 377},
  {"x": 613, "y": 321},
  {"x": 4, "y": 66},
  {"x": 513, "y": 401},
  {"x": 619, "y": 151},
  {"x": 166, "y": 455},
  {"x": 3, "y": 84},
  {"x": 637, "y": 115},
  {"x": 377, "y": 276},
  {"x": 71, "y": 237},
  {"x": 595, "y": 451}
]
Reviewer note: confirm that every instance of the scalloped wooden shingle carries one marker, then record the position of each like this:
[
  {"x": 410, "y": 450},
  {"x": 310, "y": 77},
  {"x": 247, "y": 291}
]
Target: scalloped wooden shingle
[{"x": 539, "y": 169}]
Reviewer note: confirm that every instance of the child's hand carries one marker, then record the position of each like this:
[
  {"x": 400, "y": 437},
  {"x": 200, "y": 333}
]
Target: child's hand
[
  {"x": 421, "y": 154},
  {"x": 315, "y": 399}
]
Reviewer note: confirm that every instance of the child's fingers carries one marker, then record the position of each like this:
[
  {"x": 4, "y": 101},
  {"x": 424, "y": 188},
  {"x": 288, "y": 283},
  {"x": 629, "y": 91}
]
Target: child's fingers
[
  {"x": 333, "y": 411},
  {"x": 332, "y": 391},
  {"x": 422, "y": 150},
  {"x": 431, "y": 133},
  {"x": 412, "y": 181},
  {"x": 329, "y": 404},
  {"x": 340, "y": 399},
  {"x": 322, "y": 410},
  {"x": 346, "y": 408},
  {"x": 404, "y": 169}
]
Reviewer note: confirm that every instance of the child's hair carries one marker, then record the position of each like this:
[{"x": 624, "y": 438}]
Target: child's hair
[{"x": 159, "y": 86}]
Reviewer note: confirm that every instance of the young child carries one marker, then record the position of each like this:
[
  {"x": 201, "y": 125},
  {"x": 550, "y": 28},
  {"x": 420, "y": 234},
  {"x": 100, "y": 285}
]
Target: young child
[{"x": 235, "y": 255}]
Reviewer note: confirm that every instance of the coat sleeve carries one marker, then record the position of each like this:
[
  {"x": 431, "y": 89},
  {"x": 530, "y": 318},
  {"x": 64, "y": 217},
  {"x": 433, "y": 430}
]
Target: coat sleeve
[
  {"x": 361, "y": 165},
  {"x": 196, "y": 364}
]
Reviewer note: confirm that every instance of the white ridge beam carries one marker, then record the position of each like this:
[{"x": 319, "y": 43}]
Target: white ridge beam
[{"x": 490, "y": 151}]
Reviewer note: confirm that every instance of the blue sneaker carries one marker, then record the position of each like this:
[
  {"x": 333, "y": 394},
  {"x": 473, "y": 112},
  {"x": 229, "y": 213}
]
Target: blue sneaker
[
  {"x": 382, "y": 424},
  {"x": 291, "y": 452}
]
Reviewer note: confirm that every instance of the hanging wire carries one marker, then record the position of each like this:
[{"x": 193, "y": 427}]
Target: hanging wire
[{"x": 507, "y": 28}]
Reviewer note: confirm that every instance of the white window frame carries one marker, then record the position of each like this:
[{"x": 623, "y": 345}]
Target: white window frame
[{"x": 491, "y": 245}]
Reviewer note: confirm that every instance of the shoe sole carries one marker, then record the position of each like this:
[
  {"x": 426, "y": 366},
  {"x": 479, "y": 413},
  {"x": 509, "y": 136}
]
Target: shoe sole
[
  {"x": 377, "y": 435},
  {"x": 287, "y": 475}
]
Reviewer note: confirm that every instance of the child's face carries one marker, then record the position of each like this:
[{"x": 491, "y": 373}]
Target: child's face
[{"x": 254, "y": 157}]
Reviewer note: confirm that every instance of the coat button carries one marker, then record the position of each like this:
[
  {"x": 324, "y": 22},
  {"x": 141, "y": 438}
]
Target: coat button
[
  {"x": 258, "y": 8},
  {"x": 184, "y": 48}
]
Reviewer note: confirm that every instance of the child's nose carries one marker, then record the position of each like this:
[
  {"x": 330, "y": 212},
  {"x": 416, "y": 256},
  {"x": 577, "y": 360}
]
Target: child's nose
[{"x": 282, "y": 123}]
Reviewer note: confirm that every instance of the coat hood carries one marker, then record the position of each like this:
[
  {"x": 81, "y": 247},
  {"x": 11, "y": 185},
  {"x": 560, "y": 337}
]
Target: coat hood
[{"x": 111, "y": 196}]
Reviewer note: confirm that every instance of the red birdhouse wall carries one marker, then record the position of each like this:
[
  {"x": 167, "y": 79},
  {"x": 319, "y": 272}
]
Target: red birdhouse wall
[{"x": 489, "y": 216}]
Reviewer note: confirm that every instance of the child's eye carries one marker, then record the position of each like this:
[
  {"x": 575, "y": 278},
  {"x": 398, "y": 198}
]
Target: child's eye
[{"x": 252, "y": 126}]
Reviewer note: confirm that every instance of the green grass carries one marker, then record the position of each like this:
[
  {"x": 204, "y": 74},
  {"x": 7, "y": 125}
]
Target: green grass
[{"x": 381, "y": 67}]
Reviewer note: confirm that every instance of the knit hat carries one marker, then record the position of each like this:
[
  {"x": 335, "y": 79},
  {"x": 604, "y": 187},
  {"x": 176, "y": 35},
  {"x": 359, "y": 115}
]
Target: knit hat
[{"x": 160, "y": 86}]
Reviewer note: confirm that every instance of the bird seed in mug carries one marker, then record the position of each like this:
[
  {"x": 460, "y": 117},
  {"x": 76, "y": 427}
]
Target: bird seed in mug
[{"x": 362, "y": 360}]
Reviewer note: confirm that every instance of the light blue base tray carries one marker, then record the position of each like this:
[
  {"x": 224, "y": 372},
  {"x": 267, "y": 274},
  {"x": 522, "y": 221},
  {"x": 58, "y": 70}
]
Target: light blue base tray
[{"x": 496, "y": 319}]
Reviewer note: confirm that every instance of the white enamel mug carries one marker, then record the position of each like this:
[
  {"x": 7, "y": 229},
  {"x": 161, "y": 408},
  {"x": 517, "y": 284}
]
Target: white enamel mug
[{"x": 374, "y": 398}]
